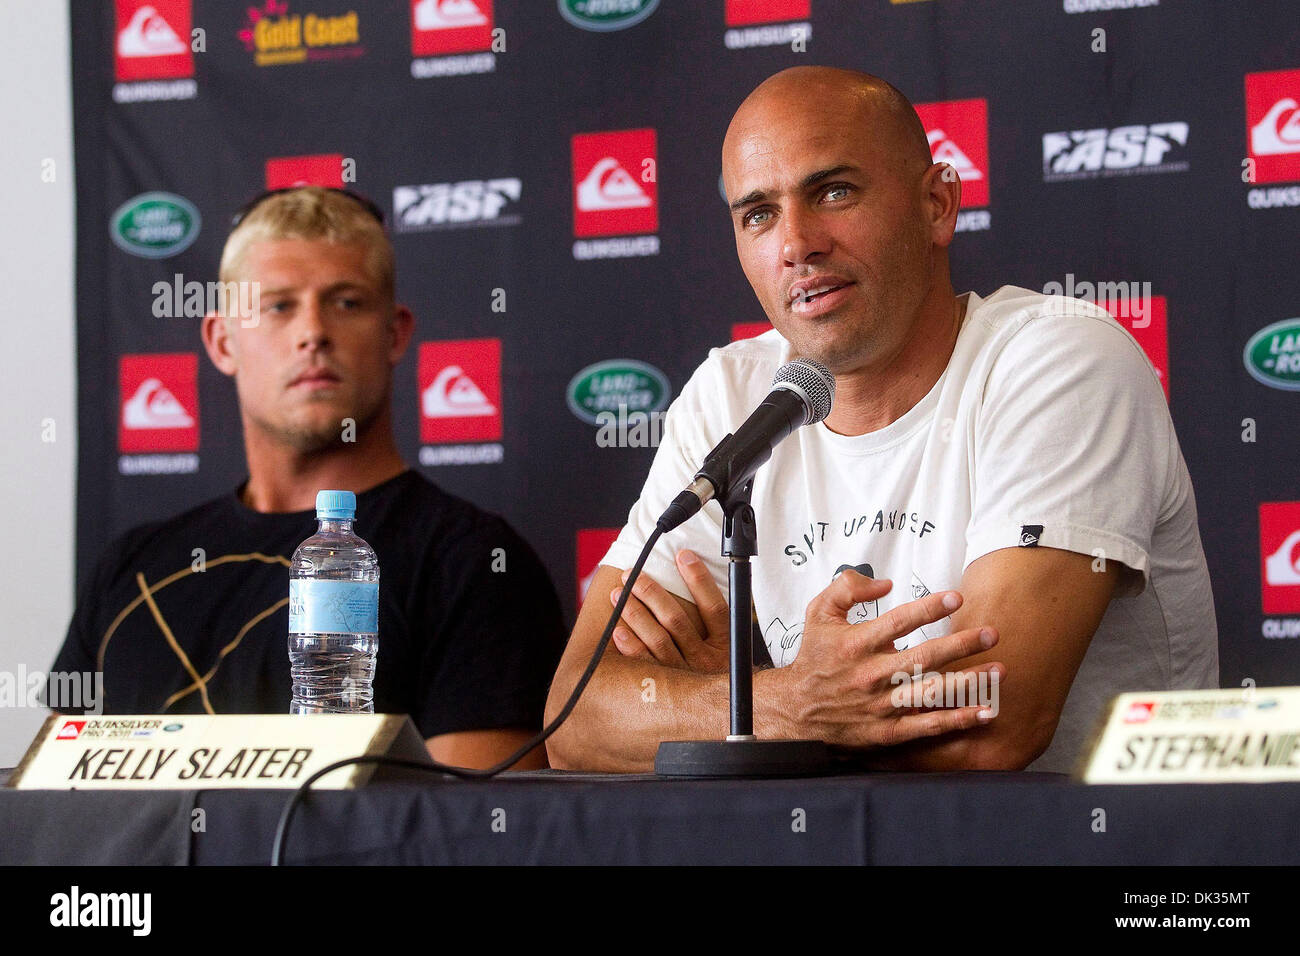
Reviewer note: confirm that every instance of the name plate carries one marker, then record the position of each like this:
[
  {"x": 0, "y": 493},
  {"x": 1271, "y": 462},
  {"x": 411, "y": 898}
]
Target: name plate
[
  {"x": 205, "y": 752},
  {"x": 1250, "y": 735}
]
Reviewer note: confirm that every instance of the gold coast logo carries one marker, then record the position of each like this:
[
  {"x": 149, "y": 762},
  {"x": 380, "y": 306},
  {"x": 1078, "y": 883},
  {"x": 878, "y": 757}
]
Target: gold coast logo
[{"x": 275, "y": 36}]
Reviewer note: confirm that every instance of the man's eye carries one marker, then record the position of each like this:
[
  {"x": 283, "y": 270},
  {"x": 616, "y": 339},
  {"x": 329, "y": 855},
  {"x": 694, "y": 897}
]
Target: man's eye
[
  {"x": 758, "y": 217},
  {"x": 348, "y": 304},
  {"x": 837, "y": 191},
  {"x": 279, "y": 305}
]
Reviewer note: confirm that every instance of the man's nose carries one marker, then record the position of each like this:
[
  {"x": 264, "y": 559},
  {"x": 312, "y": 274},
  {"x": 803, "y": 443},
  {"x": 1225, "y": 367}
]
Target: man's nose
[
  {"x": 309, "y": 328},
  {"x": 803, "y": 237}
]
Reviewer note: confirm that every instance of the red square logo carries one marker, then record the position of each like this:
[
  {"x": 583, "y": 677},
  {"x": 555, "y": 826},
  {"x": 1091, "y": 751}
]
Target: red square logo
[
  {"x": 1273, "y": 124},
  {"x": 958, "y": 131},
  {"x": 460, "y": 391},
  {"x": 450, "y": 26},
  {"x": 1145, "y": 319},
  {"x": 615, "y": 187},
  {"x": 153, "y": 40},
  {"x": 160, "y": 403},
  {"x": 1279, "y": 543},
  {"x": 744, "y": 12},
  {"x": 1139, "y": 712},
  {"x": 70, "y": 730},
  {"x": 593, "y": 543},
  {"x": 323, "y": 169},
  {"x": 747, "y": 330}
]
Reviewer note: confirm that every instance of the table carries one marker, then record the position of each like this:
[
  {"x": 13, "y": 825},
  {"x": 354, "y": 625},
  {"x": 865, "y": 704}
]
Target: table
[{"x": 552, "y": 817}]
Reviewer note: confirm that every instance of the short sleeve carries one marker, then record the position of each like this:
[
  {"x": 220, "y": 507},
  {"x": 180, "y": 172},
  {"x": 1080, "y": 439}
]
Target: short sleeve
[
  {"x": 80, "y": 649},
  {"x": 686, "y": 439},
  {"x": 500, "y": 634},
  {"x": 1073, "y": 444}
]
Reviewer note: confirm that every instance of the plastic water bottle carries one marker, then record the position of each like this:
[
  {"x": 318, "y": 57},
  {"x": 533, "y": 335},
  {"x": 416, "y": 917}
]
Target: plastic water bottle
[{"x": 333, "y": 614}]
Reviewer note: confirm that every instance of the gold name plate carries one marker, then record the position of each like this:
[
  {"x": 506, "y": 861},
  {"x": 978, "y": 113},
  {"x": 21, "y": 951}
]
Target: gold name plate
[
  {"x": 1251, "y": 735},
  {"x": 206, "y": 752}
]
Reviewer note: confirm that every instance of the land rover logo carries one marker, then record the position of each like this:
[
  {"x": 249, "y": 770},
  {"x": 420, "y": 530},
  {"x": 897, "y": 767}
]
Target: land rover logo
[
  {"x": 155, "y": 225},
  {"x": 605, "y": 386},
  {"x": 606, "y": 15},
  {"x": 1272, "y": 355}
]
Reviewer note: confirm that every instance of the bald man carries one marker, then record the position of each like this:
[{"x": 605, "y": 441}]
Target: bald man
[{"x": 998, "y": 492}]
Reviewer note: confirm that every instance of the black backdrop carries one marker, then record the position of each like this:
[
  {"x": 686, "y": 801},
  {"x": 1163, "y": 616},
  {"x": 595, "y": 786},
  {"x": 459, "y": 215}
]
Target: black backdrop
[{"x": 200, "y": 113}]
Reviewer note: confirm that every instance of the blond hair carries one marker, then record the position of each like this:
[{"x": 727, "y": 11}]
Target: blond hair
[{"x": 312, "y": 212}]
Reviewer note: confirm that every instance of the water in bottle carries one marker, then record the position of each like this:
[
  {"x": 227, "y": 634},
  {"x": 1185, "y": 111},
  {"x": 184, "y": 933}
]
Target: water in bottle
[{"x": 333, "y": 614}]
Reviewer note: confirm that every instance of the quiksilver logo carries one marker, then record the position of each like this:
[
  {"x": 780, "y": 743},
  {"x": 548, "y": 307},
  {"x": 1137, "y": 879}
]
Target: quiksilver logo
[
  {"x": 148, "y": 34},
  {"x": 1030, "y": 535}
]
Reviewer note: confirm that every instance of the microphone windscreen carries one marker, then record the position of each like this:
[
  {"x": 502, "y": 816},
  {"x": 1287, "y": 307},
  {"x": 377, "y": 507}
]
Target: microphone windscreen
[{"x": 813, "y": 381}]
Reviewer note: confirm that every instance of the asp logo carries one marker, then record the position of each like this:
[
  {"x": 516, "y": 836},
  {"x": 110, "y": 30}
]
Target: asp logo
[
  {"x": 615, "y": 183},
  {"x": 744, "y": 12},
  {"x": 159, "y": 403},
  {"x": 1122, "y": 151},
  {"x": 460, "y": 391},
  {"x": 322, "y": 169},
  {"x": 1279, "y": 544},
  {"x": 473, "y": 202},
  {"x": 958, "y": 132},
  {"x": 592, "y": 546},
  {"x": 153, "y": 40},
  {"x": 1273, "y": 124},
  {"x": 440, "y": 27}
]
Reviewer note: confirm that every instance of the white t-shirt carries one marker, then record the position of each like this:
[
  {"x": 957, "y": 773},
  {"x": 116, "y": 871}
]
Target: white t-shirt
[{"x": 1049, "y": 427}]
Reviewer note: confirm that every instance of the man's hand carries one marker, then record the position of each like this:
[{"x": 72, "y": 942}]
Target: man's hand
[
  {"x": 849, "y": 687},
  {"x": 659, "y": 626}
]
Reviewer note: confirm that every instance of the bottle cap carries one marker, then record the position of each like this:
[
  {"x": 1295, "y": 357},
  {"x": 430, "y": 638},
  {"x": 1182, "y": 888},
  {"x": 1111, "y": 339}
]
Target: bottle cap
[{"x": 336, "y": 504}]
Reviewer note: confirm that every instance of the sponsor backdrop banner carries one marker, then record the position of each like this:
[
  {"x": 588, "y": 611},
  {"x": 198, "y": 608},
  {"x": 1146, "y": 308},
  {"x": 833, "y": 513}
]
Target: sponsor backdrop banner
[{"x": 549, "y": 172}]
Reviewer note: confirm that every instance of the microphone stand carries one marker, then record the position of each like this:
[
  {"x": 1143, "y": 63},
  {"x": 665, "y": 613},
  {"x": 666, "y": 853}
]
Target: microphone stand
[{"x": 741, "y": 754}]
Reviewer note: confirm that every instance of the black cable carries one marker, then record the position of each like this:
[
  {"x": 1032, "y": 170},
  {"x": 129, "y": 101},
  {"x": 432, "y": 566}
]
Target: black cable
[{"x": 463, "y": 773}]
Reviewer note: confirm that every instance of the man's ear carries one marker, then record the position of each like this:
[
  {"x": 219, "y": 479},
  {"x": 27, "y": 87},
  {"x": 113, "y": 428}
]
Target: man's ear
[
  {"x": 942, "y": 188},
  {"x": 217, "y": 341},
  {"x": 403, "y": 329}
]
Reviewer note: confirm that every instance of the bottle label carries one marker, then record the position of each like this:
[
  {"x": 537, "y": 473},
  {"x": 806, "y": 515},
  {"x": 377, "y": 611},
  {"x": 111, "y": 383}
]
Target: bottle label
[{"x": 333, "y": 607}]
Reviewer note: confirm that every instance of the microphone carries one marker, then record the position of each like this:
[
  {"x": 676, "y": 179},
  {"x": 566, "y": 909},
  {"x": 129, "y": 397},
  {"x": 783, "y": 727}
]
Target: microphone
[{"x": 802, "y": 393}]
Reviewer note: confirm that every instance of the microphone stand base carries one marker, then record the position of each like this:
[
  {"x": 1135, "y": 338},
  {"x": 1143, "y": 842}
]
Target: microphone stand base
[{"x": 742, "y": 758}]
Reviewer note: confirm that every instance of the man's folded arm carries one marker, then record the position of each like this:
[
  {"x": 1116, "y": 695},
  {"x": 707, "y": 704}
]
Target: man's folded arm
[
  {"x": 1046, "y": 604},
  {"x": 629, "y": 705}
]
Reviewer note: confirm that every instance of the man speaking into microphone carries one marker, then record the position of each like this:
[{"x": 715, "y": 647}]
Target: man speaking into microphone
[{"x": 997, "y": 493}]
